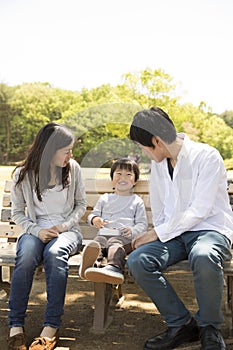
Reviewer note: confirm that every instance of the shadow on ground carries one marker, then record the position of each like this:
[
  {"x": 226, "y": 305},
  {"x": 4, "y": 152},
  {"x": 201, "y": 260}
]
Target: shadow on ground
[{"x": 133, "y": 323}]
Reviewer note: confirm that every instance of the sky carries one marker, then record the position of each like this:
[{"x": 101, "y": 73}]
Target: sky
[{"x": 74, "y": 44}]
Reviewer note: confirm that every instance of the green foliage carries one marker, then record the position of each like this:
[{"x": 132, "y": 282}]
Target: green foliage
[
  {"x": 6, "y": 116},
  {"x": 100, "y": 118},
  {"x": 219, "y": 135},
  {"x": 228, "y": 164},
  {"x": 34, "y": 105},
  {"x": 151, "y": 88},
  {"x": 102, "y": 125},
  {"x": 227, "y": 116}
]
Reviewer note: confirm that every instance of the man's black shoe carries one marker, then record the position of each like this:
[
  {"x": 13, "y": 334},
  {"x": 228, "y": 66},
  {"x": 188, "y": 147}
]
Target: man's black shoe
[
  {"x": 211, "y": 339},
  {"x": 173, "y": 337}
]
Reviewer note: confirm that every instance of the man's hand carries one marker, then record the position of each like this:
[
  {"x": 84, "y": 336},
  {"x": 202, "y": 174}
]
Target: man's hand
[
  {"x": 126, "y": 232},
  {"x": 145, "y": 237},
  {"x": 47, "y": 234}
]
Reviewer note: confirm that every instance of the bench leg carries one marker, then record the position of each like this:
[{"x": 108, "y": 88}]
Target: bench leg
[
  {"x": 117, "y": 295},
  {"x": 4, "y": 286},
  {"x": 7, "y": 274},
  {"x": 229, "y": 299},
  {"x": 103, "y": 296},
  {"x": 11, "y": 271},
  {"x": 1, "y": 274}
]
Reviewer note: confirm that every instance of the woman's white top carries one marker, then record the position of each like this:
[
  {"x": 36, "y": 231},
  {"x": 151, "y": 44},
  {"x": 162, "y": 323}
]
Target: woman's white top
[{"x": 49, "y": 211}]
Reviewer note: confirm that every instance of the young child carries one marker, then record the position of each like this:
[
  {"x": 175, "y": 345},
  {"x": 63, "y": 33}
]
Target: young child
[{"x": 120, "y": 216}]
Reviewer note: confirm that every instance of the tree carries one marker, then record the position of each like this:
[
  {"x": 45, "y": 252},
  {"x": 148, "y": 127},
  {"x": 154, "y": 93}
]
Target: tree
[
  {"x": 227, "y": 116},
  {"x": 35, "y": 105},
  {"x": 102, "y": 125},
  {"x": 152, "y": 87},
  {"x": 100, "y": 117},
  {"x": 219, "y": 135},
  {"x": 6, "y": 115}
]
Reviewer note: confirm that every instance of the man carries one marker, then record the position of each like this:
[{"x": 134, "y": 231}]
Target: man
[{"x": 192, "y": 220}]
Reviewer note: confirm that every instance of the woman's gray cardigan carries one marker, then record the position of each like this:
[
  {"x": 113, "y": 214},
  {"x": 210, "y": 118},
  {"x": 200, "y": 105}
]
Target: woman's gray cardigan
[{"x": 23, "y": 211}]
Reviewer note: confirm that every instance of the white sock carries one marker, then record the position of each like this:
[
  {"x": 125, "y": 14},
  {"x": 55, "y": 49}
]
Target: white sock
[
  {"x": 48, "y": 332},
  {"x": 15, "y": 330}
]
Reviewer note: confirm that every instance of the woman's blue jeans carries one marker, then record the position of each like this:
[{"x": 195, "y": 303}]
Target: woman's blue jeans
[
  {"x": 206, "y": 251},
  {"x": 31, "y": 252}
]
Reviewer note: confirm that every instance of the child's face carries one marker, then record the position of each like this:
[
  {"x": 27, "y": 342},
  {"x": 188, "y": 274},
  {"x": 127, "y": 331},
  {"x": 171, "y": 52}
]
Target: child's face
[{"x": 123, "y": 181}]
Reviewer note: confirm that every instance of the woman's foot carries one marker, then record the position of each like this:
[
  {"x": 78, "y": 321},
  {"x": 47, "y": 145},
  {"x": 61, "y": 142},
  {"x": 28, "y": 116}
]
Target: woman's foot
[
  {"x": 16, "y": 339},
  {"x": 47, "y": 340}
]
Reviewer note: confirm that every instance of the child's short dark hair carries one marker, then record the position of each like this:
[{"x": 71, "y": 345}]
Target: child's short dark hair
[{"x": 126, "y": 164}]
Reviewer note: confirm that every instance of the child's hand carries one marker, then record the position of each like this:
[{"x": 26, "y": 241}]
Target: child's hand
[
  {"x": 98, "y": 222},
  {"x": 126, "y": 232}
]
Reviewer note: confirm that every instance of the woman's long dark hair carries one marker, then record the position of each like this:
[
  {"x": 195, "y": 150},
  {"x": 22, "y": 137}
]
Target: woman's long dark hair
[{"x": 49, "y": 139}]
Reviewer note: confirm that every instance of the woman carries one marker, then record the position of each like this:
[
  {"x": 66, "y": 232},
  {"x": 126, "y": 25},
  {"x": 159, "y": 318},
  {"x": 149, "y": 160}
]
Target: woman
[{"x": 48, "y": 184}]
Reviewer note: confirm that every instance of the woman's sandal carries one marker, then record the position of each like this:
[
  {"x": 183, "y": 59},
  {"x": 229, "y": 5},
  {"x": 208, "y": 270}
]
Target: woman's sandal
[{"x": 42, "y": 343}]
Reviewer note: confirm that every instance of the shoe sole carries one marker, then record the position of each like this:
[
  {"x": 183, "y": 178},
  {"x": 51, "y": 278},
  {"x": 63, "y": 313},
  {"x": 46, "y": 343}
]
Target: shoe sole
[
  {"x": 99, "y": 275},
  {"x": 174, "y": 345},
  {"x": 89, "y": 255}
]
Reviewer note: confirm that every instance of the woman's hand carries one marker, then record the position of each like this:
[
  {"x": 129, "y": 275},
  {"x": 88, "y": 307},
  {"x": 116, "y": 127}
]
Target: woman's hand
[
  {"x": 144, "y": 238},
  {"x": 60, "y": 228},
  {"x": 47, "y": 234}
]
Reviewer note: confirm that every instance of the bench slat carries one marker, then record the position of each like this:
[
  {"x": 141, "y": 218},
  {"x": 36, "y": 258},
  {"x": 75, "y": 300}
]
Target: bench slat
[
  {"x": 8, "y": 251},
  {"x": 6, "y": 215},
  {"x": 230, "y": 188},
  {"x": 105, "y": 185},
  {"x": 9, "y": 231},
  {"x": 8, "y": 185},
  {"x": 6, "y": 200}
]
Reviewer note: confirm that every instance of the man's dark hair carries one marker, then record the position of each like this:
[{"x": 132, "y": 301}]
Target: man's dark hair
[{"x": 152, "y": 122}]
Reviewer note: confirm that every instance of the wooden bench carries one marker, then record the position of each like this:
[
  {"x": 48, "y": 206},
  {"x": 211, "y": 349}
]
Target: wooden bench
[{"x": 104, "y": 293}]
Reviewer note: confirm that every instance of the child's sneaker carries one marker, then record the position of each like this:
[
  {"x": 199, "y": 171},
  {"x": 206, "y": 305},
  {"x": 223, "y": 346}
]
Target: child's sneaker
[
  {"x": 89, "y": 255},
  {"x": 108, "y": 274}
]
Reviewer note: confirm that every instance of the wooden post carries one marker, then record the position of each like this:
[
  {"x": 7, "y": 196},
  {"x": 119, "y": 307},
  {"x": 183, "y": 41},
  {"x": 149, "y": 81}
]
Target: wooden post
[{"x": 103, "y": 296}]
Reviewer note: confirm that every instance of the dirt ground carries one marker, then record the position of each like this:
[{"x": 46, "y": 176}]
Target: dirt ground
[{"x": 132, "y": 324}]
